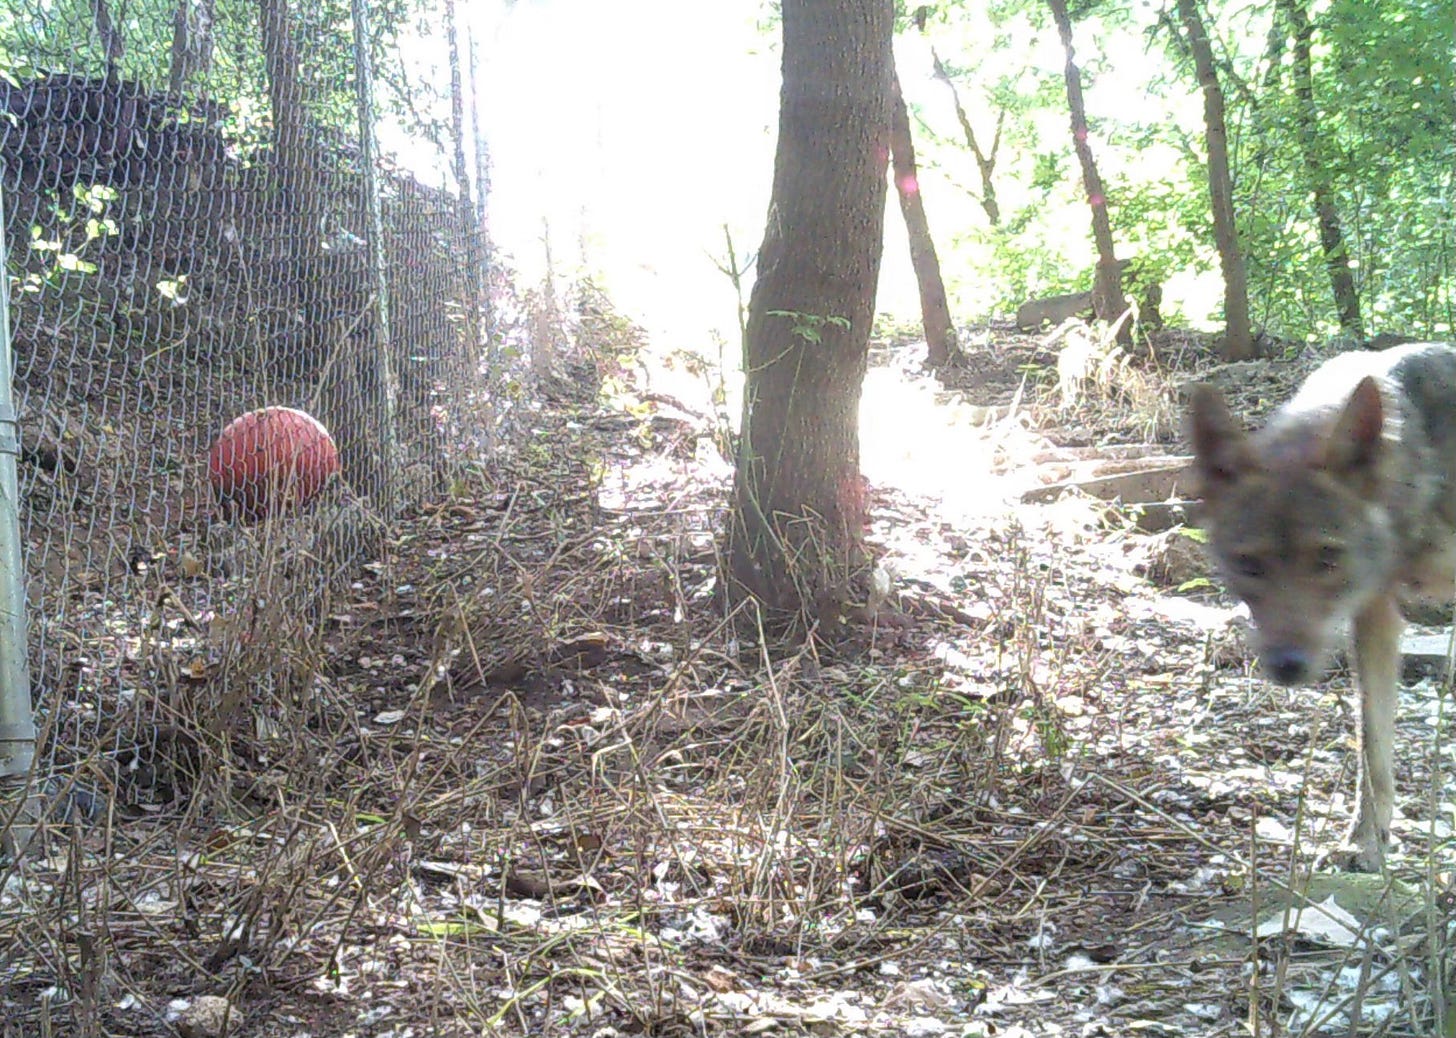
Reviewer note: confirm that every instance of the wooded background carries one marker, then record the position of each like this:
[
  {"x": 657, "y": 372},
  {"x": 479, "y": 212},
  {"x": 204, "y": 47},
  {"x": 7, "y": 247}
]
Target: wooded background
[{"x": 478, "y": 742}]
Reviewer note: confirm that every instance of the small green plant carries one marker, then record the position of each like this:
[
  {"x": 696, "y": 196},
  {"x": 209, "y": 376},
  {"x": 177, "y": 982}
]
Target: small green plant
[
  {"x": 174, "y": 290},
  {"x": 1047, "y": 721},
  {"x": 1032, "y": 371},
  {"x": 809, "y": 327},
  {"x": 87, "y": 221}
]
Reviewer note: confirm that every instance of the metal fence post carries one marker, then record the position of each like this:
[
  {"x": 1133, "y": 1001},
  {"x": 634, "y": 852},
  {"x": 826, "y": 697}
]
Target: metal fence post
[
  {"x": 387, "y": 405},
  {"x": 17, "y": 725}
]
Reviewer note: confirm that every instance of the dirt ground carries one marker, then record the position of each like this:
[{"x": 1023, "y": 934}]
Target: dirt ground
[{"x": 535, "y": 784}]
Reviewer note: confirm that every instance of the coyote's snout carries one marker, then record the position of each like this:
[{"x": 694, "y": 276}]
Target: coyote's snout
[{"x": 1343, "y": 504}]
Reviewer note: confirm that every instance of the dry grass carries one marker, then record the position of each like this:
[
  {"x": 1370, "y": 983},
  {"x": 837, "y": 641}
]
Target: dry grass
[{"x": 520, "y": 777}]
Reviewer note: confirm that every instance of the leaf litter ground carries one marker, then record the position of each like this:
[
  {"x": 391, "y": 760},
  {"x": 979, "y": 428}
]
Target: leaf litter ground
[{"x": 538, "y": 786}]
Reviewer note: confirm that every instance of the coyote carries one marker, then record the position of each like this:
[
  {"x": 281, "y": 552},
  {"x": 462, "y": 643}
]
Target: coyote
[{"x": 1343, "y": 505}]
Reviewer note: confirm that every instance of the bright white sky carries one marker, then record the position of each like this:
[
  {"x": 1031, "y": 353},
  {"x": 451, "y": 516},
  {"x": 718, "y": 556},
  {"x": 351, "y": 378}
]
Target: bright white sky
[{"x": 637, "y": 129}]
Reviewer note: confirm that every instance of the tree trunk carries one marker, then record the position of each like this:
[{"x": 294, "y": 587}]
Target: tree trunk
[
  {"x": 1238, "y": 342},
  {"x": 985, "y": 163},
  {"x": 192, "y": 27},
  {"x": 294, "y": 154},
  {"x": 1107, "y": 298},
  {"x": 112, "y": 44},
  {"x": 1326, "y": 214},
  {"x": 469, "y": 228},
  {"x": 457, "y": 106},
  {"x": 794, "y": 535},
  {"x": 494, "y": 381},
  {"x": 295, "y": 169},
  {"x": 285, "y": 91},
  {"x": 940, "y": 336}
]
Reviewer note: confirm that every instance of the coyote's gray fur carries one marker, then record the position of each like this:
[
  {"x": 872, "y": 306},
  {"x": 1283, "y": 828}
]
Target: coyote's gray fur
[{"x": 1340, "y": 507}]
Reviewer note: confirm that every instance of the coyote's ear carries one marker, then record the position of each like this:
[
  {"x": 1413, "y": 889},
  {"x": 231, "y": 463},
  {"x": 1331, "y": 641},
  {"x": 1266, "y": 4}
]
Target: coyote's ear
[
  {"x": 1352, "y": 450},
  {"x": 1220, "y": 451}
]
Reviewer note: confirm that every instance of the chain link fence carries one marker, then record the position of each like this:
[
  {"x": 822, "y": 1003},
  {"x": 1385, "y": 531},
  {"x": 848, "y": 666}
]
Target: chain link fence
[{"x": 199, "y": 224}]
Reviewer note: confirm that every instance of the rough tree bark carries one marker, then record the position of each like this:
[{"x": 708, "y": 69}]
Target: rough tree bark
[
  {"x": 1326, "y": 213},
  {"x": 1238, "y": 342},
  {"x": 1107, "y": 298},
  {"x": 112, "y": 43},
  {"x": 940, "y": 336},
  {"x": 285, "y": 93},
  {"x": 192, "y": 25},
  {"x": 295, "y": 168},
  {"x": 985, "y": 162},
  {"x": 470, "y": 229},
  {"x": 794, "y": 534},
  {"x": 307, "y": 282}
]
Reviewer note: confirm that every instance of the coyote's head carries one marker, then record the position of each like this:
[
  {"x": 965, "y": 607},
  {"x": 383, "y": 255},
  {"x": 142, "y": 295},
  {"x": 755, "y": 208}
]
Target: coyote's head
[{"x": 1296, "y": 522}]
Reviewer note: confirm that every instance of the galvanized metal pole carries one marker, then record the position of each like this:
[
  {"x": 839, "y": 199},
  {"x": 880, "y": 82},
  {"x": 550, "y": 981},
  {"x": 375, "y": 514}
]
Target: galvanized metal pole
[
  {"x": 17, "y": 725},
  {"x": 387, "y": 402}
]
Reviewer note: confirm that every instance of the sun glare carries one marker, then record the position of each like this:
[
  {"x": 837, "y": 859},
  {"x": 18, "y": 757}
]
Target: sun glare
[{"x": 633, "y": 140}]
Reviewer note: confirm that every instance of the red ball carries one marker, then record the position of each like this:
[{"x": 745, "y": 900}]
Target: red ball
[{"x": 268, "y": 461}]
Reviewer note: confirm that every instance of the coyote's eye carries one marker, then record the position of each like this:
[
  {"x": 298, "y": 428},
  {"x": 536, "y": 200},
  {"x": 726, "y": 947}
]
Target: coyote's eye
[
  {"x": 1249, "y": 566},
  {"x": 1330, "y": 557}
]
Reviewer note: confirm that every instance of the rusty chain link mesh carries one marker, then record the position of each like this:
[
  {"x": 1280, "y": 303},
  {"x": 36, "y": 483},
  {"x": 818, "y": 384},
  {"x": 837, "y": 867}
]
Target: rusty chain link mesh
[{"x": 191, "y": 237}]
